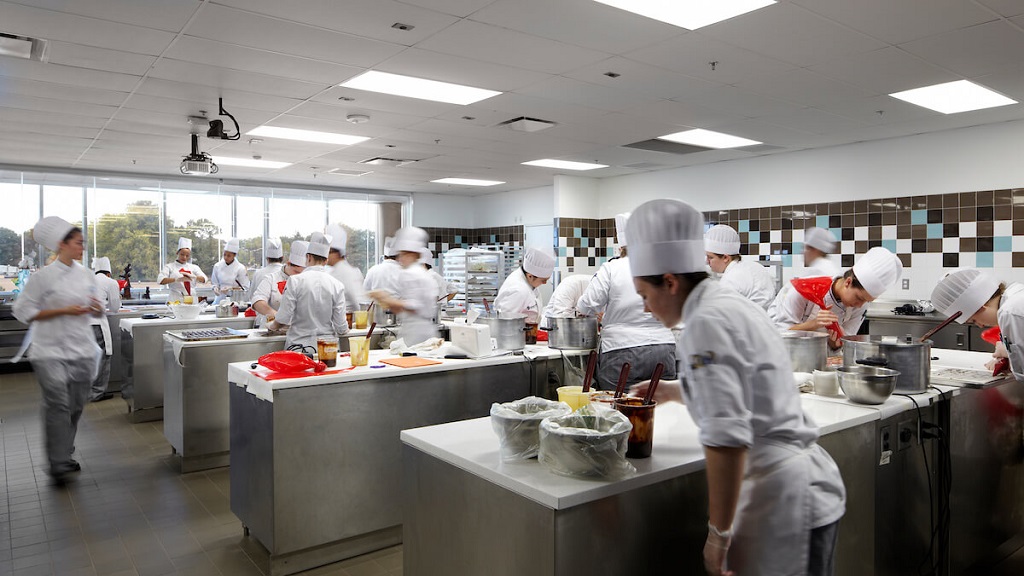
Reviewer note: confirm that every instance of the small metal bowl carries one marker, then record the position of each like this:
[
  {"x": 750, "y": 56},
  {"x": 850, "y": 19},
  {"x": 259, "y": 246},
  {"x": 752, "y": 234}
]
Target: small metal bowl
[{"x": 867, "y": 384}]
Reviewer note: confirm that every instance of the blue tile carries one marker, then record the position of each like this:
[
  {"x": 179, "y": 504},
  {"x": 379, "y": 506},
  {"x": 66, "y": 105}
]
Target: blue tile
[
  {"x": 821, "y": 221},
  {"x": 458, "y": 239},
  {"x": 983, "y": 260},
  {"x": 584, "y": 242},
  {"x": 918, "y": 216},
  {"x": 561, "y": 251},
  {"x": 753, "y": 237},
  {"x": 577, "y": 232},
  {"x": 889, "y": 245},
  {"x": 935, "y": 231},
  {"x": 787, "y": 261},
  {"x": 837, "y": 232},
  {"x": 744, "y": 226},
  {"x": 798, "y": 247},
  {"x": 611, "y": 252},
  {"x": 1002, "y": 244},
  {"x": 494, "y": 238}
]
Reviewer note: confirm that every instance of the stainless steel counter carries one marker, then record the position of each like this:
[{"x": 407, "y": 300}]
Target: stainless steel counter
[{"x": 12, "y": 333}]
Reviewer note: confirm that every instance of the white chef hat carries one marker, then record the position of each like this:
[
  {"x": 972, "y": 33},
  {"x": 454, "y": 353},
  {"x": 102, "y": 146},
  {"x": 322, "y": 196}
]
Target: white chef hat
[
  {"x": 274, "y": 248},
  {"x": 51, "y": 231},
  {"x": 666, "y": 238},
  {"x": 388, "y": 242},
  {"x": 964, "y": 290},
  {"x": 339, "y": 238},
  {"x": 722, "y": 239},
  {"x": 297, "y": 254},
  {"x": 101, "y": 264},
  {"x": 821, "y": 239},
  {"x": 184, "y": 243},
  {"x": 540, "y": 263},
  {"x": 319, "y": 245},
  {"x": 620, "y": 228},
  {"x": 878, "y": 270},
  {"x": 426, "y": 256},
  {"x": 410, "y": 239},
  {"x": 231, "y": 246}
]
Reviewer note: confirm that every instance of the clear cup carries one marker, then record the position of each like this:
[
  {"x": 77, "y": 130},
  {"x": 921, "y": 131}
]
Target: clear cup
[
  {"x": 327, "y": 351},
  {"x": 348, "y": 319},
  {"x": 641, "y": 438},
  {"x": 359, "y": 350},
  {"x": 574, "y": 396},
  {"x": 360, "y": 319}
]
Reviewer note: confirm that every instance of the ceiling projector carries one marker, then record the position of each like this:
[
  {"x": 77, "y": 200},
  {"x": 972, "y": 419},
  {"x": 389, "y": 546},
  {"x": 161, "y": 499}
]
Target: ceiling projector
[{"x": 198, "y": 163}]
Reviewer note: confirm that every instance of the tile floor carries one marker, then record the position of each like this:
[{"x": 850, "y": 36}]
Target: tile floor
[{"x": 130, "y": 513}]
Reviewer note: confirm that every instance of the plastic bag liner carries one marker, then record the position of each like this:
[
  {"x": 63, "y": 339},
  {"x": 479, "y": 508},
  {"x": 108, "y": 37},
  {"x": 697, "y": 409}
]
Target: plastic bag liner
[
  {"x": 517, "y": 425},
  {"x": 590, "y": 442}
]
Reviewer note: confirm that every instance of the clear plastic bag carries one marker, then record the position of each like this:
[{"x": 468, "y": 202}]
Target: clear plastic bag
[
  {"x": 590, "y": 442},
  {"x": 517, "y": 425}
]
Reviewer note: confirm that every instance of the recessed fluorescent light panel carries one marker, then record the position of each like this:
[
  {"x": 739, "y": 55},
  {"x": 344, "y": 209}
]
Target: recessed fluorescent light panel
[
  {"x": 564, "y": 164},
  {"x": 421, "y": 88},
  {"x": 708, "y": 139},
  {"x": 340, "y": 172},
  {"x": 467, "y": 182},
  {"x": 689, "y": 14},
  {"x": 953, "y": 97},
  {"x": 306, "y": 135},
  {"x": 249, "y": 162}
]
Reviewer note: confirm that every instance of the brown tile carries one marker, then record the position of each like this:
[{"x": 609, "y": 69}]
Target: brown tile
[
  {"x": 903, "y": 231},
  {"x": 848, "y": 207},
  {"x": 985, "y": 229},
  {"x": 986, "y": 198},
  {"x": 919, "y": 231},
  {"x": 765, "y": 212},
  {"x": 889, "y": 218},
  {"x": 847, "y": 234},
  {"x": 968, "y": 214},
  {"x": 1018, "y": 211},
  {"x": 775, "y": 212},
  {"x": 985, "y": 244},
  {"x": 1004, "y": 212},
  {"x": 985, "y": 213},
  {"x": 744, "y": 213},
  {"x": 950, "y": 214},
  {"x": 875, "y": 233},
  {"x": 860, "y": 246},
  {"x": 903, "y": 217},
  {"x": 787, "y": 235},
  {"x": 860, "y": 206},
  {"x": 848, "y": 220},
  {"x": 934, "y": 245},
  {"x": 1018, "y": 195},
  {"x": 906, "y": 259},
  {"x": 860, "y": 219},
  {"x": 1003, "y": 197},
  {"x": 968, "y": 244},
  {"x": 934, "y": 201},
  {"x": 968, "y": 199},
  {"x": 835, "y": 209},
  {"x": 1018, "y": 260},
  {"x": 776, "y": 224},
  {"x": 824, "y": 209},
  {"x": 919, "y": 202},
  {"x": 919, "y": 245},
  {"x": 1018, "y": 227},
  {"x": 950, "y": 200},
  {"x": 904, "y": 203}
]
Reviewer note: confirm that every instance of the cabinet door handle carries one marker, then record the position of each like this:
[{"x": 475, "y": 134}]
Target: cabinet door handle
[{"x": 959, "y": 339}]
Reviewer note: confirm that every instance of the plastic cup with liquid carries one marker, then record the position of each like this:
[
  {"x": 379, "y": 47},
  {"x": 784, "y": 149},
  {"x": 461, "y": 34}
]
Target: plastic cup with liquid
[
  {"x": 360, "y": 319},
  {"x": 574, "y": 396},
  {"x": 641, "y": 438},
  {"x": 359, "y": 350},
  {"x": 327, "y": 351}
]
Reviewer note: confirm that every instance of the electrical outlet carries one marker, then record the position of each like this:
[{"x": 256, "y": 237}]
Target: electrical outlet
[
  {"x": 906, "y": 283},
  {"x": 906, "y": 433},
  {"x": 885, "y": 438}
]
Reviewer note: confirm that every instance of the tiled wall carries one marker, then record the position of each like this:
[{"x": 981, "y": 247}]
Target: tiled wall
[
  {"x": 583, "y": 243},
  {"x": 444, "y": 239}
]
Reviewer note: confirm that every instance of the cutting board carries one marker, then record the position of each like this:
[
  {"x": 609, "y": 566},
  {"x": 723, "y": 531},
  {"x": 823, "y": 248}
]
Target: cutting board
[{"x": 409, "y": 362}]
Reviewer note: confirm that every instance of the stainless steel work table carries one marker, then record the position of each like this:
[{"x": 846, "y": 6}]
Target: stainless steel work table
[
  {"x": 143, "y": 362},
  {"x": 316, "y": 462},
  {"x": 196, "y": 407},
  {"x": 117, "y": 369}
]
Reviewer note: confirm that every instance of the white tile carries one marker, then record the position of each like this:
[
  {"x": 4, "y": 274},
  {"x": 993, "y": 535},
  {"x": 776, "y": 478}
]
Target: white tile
[
  {"x": 846, "y": 247},
  {"x": 968, "y": 229},
  {"x": 1002, "y": 228},
  {"x": 888, "y": 232},
  {"x": 765, "y": 249},
  {"x": 775, "y": 236},
  {"x": 798, "y": 235},
  {"x": 968, "y": 259},
  {"x": 950, "y": 244},
  {"x": 903, "y": 245},
  {"x": 1002, "y": 259},
  {"x": 1017, "y": 244},
  {"x": 860, "y": 233}
]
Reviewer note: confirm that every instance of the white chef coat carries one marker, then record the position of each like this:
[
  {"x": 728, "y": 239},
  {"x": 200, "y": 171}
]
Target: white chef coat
[
  {"x": 227, "y": 276},
  {"x": 444, "y": 287},
  {"x": 563, "y": 303},
  {"x": 418, "y": 293},
  {"x": 1011, "y": 324},
  {"x": 257, "y": 277},
  {"x": 313, "y": 304},
  {"x": 383, "y": 276},
  {"x": 352, "y": 278},
  {"x": 751, "y": 280},
  {"x": 821, "y": 267},
  {"x": 109, "y": 294},
  {"x": 625, "y": 324},
  {"x": 791, "y": 308},
  {"x": 269, "y": 291},
  {"x": 176, "y": 290},
  {"x": 55, "y": 286},
  {"x": 738, "y": 387},
  {"x": 516, "y": 298}
]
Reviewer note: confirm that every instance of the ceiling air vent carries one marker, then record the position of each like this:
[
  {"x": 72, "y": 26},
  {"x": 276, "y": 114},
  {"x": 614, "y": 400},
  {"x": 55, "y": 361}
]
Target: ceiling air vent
[
  {"x": 24, "y": 47},
  {"x": 340, "y": 172},
  {"x": 382, "y": 161},
  {"x": 525, "y": 124},
  {"x": 657, "y": 145}
]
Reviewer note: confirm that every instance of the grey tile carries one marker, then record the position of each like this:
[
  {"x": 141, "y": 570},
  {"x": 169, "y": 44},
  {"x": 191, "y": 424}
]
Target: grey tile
[
  {"x": 33, "y": 560},
  {"x": 30, "y": 550},
  {"x": 114, "y": 566}
]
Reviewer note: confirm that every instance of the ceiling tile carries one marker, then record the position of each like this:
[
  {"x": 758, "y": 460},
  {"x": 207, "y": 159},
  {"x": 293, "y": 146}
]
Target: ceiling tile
[
  {"x": 814, "y": 121},
  {"x": 642, "y": 78},
  {"x": 460, "y": 70},
  {"x": 613, "y": 130},
  {"x": 511, "y": 48},
  {"x": 460, "y": 8},
  {"x": 169, "y": 16},
  {"x": 572, "y": 91},
  {"x": 67, "y": 75},
  {"x": 156, "y": 93},
  {"x": 681, "y": 115},
  {"x": 693, "y": 53},
  {"x": 898, "y": 21},
  {"x": 58, "y": 106},
  {"x": 866, "y": 110},
  {"x": 12, "y": 127},
  {"x": 99, "y": 58},
  {"x": 772, "y": 134},
  {"x": 1007, "y": 82},
  {"x": 179, "y": 71},
  {"x": 803, "y": 86},
  {"x": 221, "y": 55},
  {"x": 973, "y": 51},
  {"x": 1006, "y": 8},
  {"x": 885, "y": 71},
  {"x": 335, "y": 116},
  {"x": 383, "y": 102},
  {"x": 742, "y": 102},
  {"x": 48, "y": 118},
  {"x": 532, "y": 107},
  {"x": 36, "y": 89}
]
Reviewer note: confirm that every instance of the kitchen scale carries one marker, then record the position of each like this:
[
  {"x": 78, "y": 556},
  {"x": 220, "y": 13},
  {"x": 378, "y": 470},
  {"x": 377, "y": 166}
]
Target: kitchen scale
[
  {"x": 963, "y": 376},
  {"x": 199, "y": 334}
]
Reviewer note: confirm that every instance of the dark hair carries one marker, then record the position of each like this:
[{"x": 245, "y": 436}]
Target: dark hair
[
  {"x": 71, "y": 233},
  {"x": 623, "y": 252},
  {"x": 336, "y": 251},
  {"x": 275, "y": 260},
  {"x": 428, "y": 266},
  {"x": 392, "y": 257},
  {"x": 856, "y": 283},
  {"x": 317, "y": 259},
  {"x": 693, "y": 278}
]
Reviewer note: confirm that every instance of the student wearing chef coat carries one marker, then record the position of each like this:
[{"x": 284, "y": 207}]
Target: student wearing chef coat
[
  {"x": 56, "y": 304},
  {"x": 229, "y": 275},
  {"x": 519, "y": 295},
  {"x": 339, "y": 267},
  {"x": 383, "y": 276},
  {"x": 275, "y": 262},
  {"x": 109, "y": 295},
  {"x": 416, "y": 292},
  {"x": 985, "y": 302},
  {"x": 818, "y": 244},
  {"x": 444, "y": 287},
  {"x": 873, "y": 274},
  {"x": 266, "y": 299},
  {"x": 565, "y": 298},
  {"x": 181, "y": 276},
  {"x": 313, "y": 303},
  {"x": 629, "y": 333},
  {"x": 774, "y": 496},
  {"x": 747, "y": 277}
]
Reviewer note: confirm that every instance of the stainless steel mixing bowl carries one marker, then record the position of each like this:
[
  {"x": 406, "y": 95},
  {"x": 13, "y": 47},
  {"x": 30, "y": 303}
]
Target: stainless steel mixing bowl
[{"x": 867, "y": 384}]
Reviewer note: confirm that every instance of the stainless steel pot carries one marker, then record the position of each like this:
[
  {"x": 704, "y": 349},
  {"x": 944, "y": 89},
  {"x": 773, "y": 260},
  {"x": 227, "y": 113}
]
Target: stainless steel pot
[
  {"x": 808, "y": 351},
  {"x": 573, "y": 333},
  {"x": 508, "y": 333},
  {"x": 911, "y": 358}
]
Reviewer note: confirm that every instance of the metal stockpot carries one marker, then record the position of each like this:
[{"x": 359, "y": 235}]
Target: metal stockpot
[
  {"x": 573, "y": 333},
  {"x": 911, "y": 358},
  {"x": 808, "y": 351},
  {"x": 508, "y": 333}
]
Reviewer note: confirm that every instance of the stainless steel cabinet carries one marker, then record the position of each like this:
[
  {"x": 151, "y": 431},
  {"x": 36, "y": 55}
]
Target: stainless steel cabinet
[{"x": 952, "y": 337}]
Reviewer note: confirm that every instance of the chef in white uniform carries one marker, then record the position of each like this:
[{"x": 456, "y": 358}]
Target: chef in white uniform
[
  {"x": 519, "y": 295},
  {"x": 383, "y": 276},
  {"x": 774, "y": 496},
  {"x": 747, "y": 277},
  {"x": 229, "y": 275},
  {"x": 873, "y": 274},
  {"x": 985, "y": 302},
  {"x": 444, "y": 287},
  {"x": 56, "y": 304},
  {"x": 818, "y": 244},
  {"x": 313, "y": 303},
  {"x": 109, "y": 294},
  {"x": 417, "y": 294},
  {"x": 275, "y": 262},
  {"x": 629, "y": 333},
  {"x": 348, "y": 274},
  {"x": 564, "y": 298},
  {"x": 181, "y": 276},
  {"x": 266, "y": 299}
]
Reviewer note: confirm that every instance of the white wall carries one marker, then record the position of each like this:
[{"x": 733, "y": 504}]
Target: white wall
[
  {"x": 577, "y": 197},
  {"x": 442, "y": 211},
  {"x": 529, "y": 206}
]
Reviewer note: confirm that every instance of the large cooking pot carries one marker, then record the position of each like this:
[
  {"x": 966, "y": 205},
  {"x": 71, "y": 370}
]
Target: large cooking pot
[
  {"x": 808, "y": 351},
  {"x": 508, "y": 333},
  {"x": 573, "y": 333},
  {"x": 911, "y": 358}
]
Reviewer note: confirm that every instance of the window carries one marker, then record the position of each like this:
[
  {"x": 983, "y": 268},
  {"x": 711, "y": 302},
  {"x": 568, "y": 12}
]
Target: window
[
  {"x": 249, "y": 222},
  {"x": 295, "y": 218},
  {"x": 124, "y": 225},
  {"x": 20, "y": 214},
  {"x": 359, "y": 218},
  {"x": 202, "y": 216}
]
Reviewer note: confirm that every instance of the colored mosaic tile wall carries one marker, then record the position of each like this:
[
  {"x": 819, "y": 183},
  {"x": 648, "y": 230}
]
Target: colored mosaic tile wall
[
  {"x": 444, "y": 239},
  {"x": 583, "y": 243}
]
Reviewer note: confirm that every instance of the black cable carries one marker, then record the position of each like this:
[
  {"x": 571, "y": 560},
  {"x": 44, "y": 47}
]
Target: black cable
[
  {"x": 929, "y": 557},
  {"x": 223, "y": 112}
]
